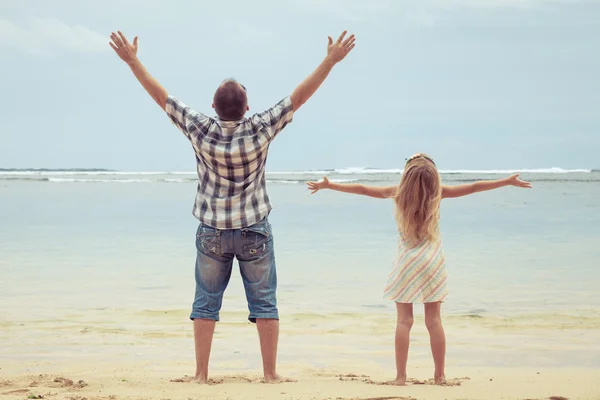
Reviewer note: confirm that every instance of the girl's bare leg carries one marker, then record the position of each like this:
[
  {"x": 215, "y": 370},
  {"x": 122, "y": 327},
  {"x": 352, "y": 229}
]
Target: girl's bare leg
[
  {"x": 437, "y": 339},
  {"x": 403, "y": 326}
]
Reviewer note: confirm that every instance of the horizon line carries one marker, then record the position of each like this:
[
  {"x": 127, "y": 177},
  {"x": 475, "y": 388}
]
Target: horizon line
[{"x": 314, "y": 170}]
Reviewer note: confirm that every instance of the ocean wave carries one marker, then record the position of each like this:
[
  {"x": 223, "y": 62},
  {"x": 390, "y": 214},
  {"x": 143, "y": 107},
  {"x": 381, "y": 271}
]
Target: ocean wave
[
  {"x": 554, "y": 170},
  {"x": 72, "y": 180},
  {"x": 177, "y": 180},
  {"x": 293, "y": 181},
  {"x": 398, "y": 171},
  {"x": 84, "y": 172},
  {"x": 343, "y": 180},
  {"x": 339, "y": 171},
  {"x": 308, "y": 172},
  {"x": 284, "y": 181},
  {"x": 366, "y": 171},
  {"x": 517, "y": 171}
]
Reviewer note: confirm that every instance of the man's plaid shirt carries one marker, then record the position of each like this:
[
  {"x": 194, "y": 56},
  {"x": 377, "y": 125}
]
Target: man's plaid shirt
[{"x": 231, "y": 158}]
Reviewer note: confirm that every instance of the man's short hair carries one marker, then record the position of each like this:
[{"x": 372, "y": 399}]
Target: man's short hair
[{"x": 230, "y": 100}]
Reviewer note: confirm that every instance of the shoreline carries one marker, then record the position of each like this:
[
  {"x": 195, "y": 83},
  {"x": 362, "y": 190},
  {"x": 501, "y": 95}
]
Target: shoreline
[{"x": 159, "y": 382}]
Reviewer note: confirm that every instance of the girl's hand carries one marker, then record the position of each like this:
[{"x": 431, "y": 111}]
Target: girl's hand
[
  {"x": 316, "y": 186},
  {"x": 514, "y": 180}
]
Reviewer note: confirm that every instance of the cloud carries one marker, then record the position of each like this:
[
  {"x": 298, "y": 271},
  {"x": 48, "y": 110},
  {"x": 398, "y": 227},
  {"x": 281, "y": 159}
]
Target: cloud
[{"x": 49, "y": 35}]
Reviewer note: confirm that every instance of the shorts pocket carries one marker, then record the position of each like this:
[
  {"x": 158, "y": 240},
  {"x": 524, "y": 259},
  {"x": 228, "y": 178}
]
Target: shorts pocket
[
  {"x": 256, "y": 239},
  {"x": 208, "y": 240}
]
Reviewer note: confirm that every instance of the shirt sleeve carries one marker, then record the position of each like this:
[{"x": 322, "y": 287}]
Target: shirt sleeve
[
  {"x": 277, "y": 117},
  {"x": 182, "y": 116}
]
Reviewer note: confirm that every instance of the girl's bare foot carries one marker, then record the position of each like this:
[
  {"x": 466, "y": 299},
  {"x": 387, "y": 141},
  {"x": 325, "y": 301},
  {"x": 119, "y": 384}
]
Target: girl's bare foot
[
  {"x": 276, "y": 378},
  {"x": 439, "y": 380}
]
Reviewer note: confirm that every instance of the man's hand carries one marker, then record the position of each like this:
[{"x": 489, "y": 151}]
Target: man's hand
[
  {"x": 514, "y": 180},
  {"x": 316, "y": 186},
  {"x": 126, "y": 51},
  {"x": 338, "y": 50}
]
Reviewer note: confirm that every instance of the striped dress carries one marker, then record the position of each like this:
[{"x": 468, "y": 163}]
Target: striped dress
[{"x": 419, "y": 273}]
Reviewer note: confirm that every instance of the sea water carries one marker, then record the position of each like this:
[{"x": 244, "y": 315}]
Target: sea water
[{"x": 100, "y": 265}]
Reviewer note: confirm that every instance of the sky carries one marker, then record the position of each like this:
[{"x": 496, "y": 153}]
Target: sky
[{"x": 477, "y": 84}]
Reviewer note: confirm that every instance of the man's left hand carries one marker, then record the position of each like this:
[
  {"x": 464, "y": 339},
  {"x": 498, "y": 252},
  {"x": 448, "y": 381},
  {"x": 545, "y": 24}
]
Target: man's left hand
[{"x": 126, "y": 51}]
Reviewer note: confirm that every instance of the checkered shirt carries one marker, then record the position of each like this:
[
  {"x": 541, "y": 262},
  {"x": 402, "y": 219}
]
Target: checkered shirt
[{"x": 230, "y": 159}]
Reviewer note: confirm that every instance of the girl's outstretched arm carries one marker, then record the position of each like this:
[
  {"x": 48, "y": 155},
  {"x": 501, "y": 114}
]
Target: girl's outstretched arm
[
  {"x": 482, "y": 186},
  {"x": 379, "y": 192}
]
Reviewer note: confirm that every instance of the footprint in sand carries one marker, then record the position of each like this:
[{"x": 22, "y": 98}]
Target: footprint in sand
[
  {"x": 382, "y": 398},
  {"x": 551, "y": 398},
  {"x": 229, "y": 379},
  {"x": 17, "y": 391},
  {"x": 448, "y": 382},
  {"x": 65, "y": 382},
  {"x": 5, "y": 383},
  {"x": 219, "y": 380},
  {"x": 354, "y": 377},
  {"x": 57, "y": 382}
]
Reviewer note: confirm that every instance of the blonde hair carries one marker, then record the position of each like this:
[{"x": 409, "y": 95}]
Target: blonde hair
[{"x": 418, "y": 200}]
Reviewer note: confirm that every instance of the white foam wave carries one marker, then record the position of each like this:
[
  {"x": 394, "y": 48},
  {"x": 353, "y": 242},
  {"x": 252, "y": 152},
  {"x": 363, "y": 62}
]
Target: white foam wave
[
  {"x": 353, "y": 171},
  {"x": 311, "y": 173},
  {"x": 71, "y": 180},
  {"x": 391, "y": 171},
  {"x": 343, "y": 180},
  {"x": 314, "y": 172},
  {"x": 94, "y": 173},
  {"x": 284, "y": 181},
  {"x": 177, "y": 180},
  {"x": 516, "y": 171}
]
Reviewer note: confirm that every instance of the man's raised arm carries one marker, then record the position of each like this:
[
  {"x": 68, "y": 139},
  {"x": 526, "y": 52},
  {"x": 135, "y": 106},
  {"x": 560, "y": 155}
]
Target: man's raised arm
[
  {"x": 128, "y": 53},
  {"x": 336, "y": 52}
]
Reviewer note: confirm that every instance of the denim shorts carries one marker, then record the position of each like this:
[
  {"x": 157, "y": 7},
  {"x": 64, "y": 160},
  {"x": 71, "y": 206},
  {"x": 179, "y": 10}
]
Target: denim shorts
[{"x": 253, "y": 248}]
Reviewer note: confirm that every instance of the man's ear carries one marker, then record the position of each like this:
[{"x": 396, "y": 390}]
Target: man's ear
[{"x": 213, "y": 105}]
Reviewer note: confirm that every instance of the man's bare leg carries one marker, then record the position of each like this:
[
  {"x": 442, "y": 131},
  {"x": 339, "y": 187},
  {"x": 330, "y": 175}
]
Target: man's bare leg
[
  {"x": 403, "y": 327},
  {"x": 437, "y": 339},
  {"x": 268, "y": 333},
  {"x": 203, "y": 335}
]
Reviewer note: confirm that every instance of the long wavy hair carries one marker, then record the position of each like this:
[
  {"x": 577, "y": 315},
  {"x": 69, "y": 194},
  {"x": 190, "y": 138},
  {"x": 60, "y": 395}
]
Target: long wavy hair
[{"x": 418, "y": 200}]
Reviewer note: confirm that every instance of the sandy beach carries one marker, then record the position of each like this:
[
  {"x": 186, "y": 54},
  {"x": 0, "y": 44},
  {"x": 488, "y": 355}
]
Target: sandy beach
[{"x": 145, "y": 381}]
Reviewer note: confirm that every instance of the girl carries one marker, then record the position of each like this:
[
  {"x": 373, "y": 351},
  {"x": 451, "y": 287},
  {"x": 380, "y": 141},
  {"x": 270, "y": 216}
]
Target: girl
[{"x": 419, "y": 274}]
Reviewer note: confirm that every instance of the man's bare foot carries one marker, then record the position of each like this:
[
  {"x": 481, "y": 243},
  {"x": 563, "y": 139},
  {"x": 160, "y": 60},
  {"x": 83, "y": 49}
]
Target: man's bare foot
[
  {"x": 275, "y": 378},
  {"x": 439, "y": 380},
  {"x": 399, "y": 381},
  {"x": 202, "y": 379}
]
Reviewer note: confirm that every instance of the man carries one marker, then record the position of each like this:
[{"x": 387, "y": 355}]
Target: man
[{"x": 232, "y": 204}]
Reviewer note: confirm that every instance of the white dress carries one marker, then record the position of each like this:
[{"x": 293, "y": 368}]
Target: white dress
[{"x": 419, "y": 273}]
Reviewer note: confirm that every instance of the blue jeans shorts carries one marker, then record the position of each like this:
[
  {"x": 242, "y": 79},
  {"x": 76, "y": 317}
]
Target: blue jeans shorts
[{"x": 253, "y": 248}]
